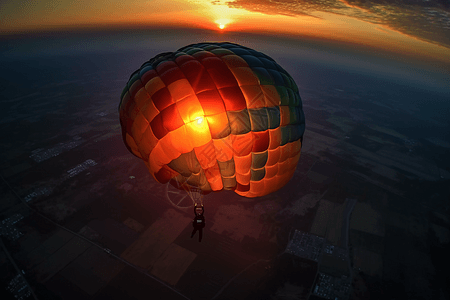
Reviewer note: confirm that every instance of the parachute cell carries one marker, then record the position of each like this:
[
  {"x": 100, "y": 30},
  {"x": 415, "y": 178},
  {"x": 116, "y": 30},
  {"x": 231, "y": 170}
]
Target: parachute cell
[{"x": 215, "y": 116}]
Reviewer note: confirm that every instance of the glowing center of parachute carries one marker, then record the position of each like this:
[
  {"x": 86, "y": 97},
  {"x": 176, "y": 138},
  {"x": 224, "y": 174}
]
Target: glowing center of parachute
[{"x": 199, "y": 120}]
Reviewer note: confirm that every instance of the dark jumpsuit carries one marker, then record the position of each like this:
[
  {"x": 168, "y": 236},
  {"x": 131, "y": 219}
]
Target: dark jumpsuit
[{"x": 198, "y": 223}]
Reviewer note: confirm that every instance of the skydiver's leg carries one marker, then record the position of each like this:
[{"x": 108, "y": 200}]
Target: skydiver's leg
[
  {"x": 193, "y": 232},
  {"x": 200, "y": 233}
]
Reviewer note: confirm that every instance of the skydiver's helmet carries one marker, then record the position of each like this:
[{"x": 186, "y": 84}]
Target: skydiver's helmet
[{"x": 198, "y": 210}]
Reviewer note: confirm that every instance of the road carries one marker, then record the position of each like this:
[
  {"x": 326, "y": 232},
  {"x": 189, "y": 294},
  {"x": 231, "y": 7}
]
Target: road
[{"x": 350, "y": 204}]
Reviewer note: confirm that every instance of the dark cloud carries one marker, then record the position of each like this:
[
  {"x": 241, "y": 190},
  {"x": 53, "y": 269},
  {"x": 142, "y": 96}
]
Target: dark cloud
[{"x": 426, "y": 19}]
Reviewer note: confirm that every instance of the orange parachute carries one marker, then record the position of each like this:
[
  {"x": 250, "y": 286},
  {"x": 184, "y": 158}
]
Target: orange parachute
[{"x": 215, "y": 116}]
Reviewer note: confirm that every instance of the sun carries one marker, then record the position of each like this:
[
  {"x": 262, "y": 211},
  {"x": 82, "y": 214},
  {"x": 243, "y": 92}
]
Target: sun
[{"x": 222, "y": 23}]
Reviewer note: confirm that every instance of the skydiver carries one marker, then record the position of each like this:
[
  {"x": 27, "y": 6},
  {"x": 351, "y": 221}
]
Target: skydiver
[{"x": 199, "y": 221}]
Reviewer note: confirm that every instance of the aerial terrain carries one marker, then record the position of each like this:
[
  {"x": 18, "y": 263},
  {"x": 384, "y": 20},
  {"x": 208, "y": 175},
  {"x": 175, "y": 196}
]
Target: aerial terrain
[{"x": 365, "y": 216}]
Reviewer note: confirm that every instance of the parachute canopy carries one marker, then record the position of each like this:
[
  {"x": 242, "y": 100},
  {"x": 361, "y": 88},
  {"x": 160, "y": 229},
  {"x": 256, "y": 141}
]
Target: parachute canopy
[{"x": 215, "y": 116}]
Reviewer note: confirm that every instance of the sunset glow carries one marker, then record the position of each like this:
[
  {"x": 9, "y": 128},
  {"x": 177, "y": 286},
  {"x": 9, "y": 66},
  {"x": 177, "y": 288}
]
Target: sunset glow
[{"x": 343, "y": 23}]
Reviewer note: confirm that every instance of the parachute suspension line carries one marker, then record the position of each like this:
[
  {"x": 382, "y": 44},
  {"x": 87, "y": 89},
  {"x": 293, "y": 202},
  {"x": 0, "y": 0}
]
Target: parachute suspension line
[{"x": 195, "y": 193}]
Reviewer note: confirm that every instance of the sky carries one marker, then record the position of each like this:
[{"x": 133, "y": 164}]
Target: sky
[{"x": 412, "y": 27}]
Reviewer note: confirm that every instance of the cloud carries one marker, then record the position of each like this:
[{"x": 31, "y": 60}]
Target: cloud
[
  {"x": 271, "y": 7},
  {"x": 426, "y": 20}
]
